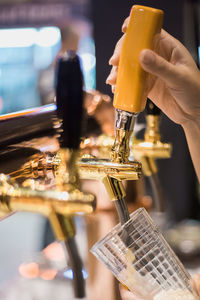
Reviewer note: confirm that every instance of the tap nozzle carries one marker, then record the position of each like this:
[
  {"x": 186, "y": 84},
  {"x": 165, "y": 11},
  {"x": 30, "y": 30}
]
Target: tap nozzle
[
  {"x": 132, "y": 81},
  {"x": 97, "y": 169},
  {"x": 38, "y": 166},
  {"x": 111, "y": 174},
  {"x": 152, "y": 145},
  {"x": 48, "y": 203},
  {"x": 150, "y": 149},
  {"x": 124, "y": 127}
]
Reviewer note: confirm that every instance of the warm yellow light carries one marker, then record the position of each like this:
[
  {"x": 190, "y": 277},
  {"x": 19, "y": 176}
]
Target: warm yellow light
[
  {"x": 55, "y": 252},
  {"x": 29, "y": 270},
  {"x": 48, "y": 274}
]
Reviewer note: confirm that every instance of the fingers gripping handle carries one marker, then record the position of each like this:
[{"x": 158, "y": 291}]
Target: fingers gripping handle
[{"x": 131, "y": 86}]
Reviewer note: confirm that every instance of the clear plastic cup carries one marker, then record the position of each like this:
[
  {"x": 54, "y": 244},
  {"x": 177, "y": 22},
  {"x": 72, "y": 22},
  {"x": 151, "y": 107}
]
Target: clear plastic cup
[{"x": 140, "y": 258}]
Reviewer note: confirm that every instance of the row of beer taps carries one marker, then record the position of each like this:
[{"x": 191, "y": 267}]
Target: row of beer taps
[
  {"x": 75, "y": 161},
  {"x": 67, "y": 168}
]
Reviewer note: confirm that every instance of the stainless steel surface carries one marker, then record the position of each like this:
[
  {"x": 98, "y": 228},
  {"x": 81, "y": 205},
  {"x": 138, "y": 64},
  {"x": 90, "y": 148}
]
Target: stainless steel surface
[{"x": 125, "y": 120}]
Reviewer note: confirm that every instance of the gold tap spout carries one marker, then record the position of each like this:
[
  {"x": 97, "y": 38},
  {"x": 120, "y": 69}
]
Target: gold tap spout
[
  {"x": 152, "y": 146},
  {"x": 97, "y": 169},
  {"x": 154, "y": 150},
  {"x": 14, "y": 198},
  {"x": 38, "y": 166},
  {"x": 150, "y": 149},
  {"x": 111, "y": 174},
  {"x": 88, "y": 168},
  {"x": 67, "y": 170}
]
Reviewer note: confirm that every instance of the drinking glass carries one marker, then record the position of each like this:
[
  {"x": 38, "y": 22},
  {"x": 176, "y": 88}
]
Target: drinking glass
[{"x": 141, "y": 259}]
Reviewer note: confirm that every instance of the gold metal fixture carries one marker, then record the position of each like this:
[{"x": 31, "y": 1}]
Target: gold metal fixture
[
  {"x": 120, "y": 150},
  {"x": 50, "y": 203},
  {"x": 56, "y": 204},
  {"x": 88, "y": 168},
  {"x": 99, "y": 146},
  {"x": 66, "y": 172},
  {"x": 151, "y": 148}
]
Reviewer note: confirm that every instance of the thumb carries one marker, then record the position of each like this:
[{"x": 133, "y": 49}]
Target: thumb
[{"x": 158, "y": 66}]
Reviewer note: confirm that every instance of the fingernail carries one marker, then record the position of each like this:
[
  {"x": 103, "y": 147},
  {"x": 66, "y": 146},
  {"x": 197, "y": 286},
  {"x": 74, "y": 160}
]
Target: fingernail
[
  {"x": 113, "y": 89},
  {"x": 147, "y": 57},
  {"x": 111, "y": 60},
  {"x": 107, "y": 81},
  {"x": 109, "y": 78}
]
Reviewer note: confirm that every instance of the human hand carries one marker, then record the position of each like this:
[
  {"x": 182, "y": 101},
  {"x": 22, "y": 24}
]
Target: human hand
[
  {"x": 175, "y": 87},
  {"x": 126, "y": 295},
  {"x": 196, "y": 283}
]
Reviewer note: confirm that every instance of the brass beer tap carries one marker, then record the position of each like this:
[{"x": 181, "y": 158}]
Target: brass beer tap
[
  {"x": 69, "y": 99},
  {"x": 151, "y": 149},
  {"x": 130, "y": 98},
  {"x": 152, "y": 145},
  {"x": 49, "y": 203},
  {"x": 65, "y": 199},
  {"x": 132, "y": 81}
]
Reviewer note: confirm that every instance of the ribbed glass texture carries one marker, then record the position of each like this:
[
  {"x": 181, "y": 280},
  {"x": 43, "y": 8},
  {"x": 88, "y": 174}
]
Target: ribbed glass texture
[{"x": 140, "y": 258}]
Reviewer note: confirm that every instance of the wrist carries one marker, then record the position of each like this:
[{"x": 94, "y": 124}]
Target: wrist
[
  {"x": 192, "y": 133},
  {"x": 192, "y": 126}
]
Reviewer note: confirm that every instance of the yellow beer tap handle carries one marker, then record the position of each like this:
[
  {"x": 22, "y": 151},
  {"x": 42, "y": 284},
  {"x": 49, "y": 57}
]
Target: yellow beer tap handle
[{"x": 131, "y": 87}]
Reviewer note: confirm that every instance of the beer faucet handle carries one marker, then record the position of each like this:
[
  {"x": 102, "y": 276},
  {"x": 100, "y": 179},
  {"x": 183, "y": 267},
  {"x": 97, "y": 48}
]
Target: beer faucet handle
[
  {"x": 69, "y": 99},
  {"x": 132, "y": 81}
]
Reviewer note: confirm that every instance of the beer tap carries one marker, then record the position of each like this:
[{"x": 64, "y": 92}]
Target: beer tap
[
  {"x": 130, "y": 99},
  {"x": 151, "y": 149},
  {"x": 69, "y": 100},
  {"x": 131, "y": 86},
  {"x": 58, "y": 206},
  {"x": 65, "y": 199}
]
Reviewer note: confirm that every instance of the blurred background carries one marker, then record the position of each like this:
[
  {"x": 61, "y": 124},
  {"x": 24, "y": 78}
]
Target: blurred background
[{"x": 32, "y": 36}]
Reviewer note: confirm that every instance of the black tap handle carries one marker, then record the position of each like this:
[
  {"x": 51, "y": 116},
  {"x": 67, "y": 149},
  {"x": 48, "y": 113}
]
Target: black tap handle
[
  {"x": 152, "y": 109},
  {"x": 69, "y": 98}
]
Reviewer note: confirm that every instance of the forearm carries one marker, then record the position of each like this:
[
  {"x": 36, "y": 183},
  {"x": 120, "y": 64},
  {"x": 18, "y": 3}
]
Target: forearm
[{"x": 192, "y": 132}]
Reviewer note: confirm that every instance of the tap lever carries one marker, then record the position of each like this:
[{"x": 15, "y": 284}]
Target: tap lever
[
  {"x": 69, "y": 98},
  {"x": 132, "y": 86},
  {"x": 132, "y": 81}
]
